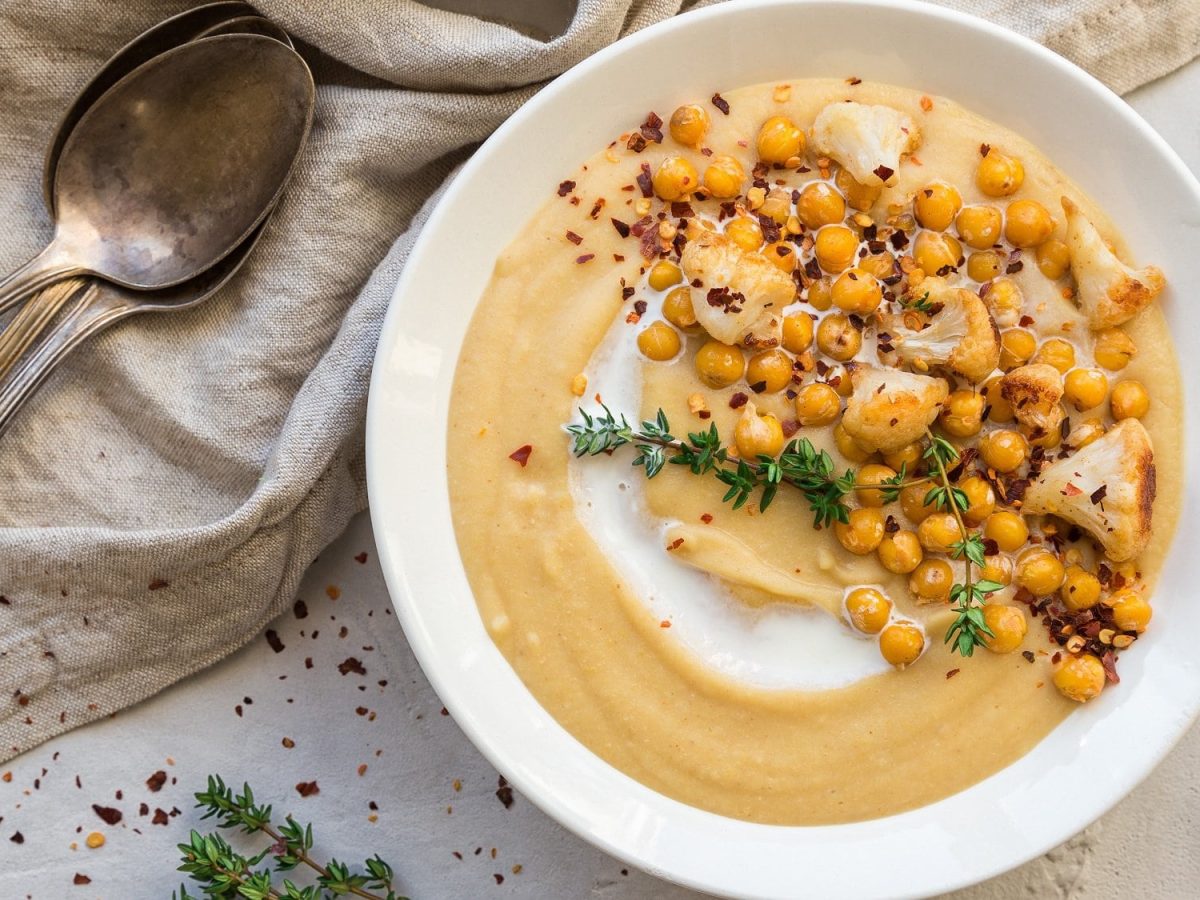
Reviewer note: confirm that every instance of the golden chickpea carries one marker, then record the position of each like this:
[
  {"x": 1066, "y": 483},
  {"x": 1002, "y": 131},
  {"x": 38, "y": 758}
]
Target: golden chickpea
[
  {"x": 900, "y": 552},
  {"x": 675, "y": 178},
  {"x": 1129, "y": 400},
  {"x": 782, "y": 255},
  {"x": 769, "y": 371},
  {"x": 659, "y": 342},
  {"x": 719, "y": 365},
  {"x": 723, "y": 177},
  {"x": 689, "y": 124},
  {"x": 1007, "y": 529},
  {"x": 835, "y": 248},
  {"x": 860, "y": 196},
  {"x": 999, "y": 409},
  {"x": 757, "y": 435},
  {"x": 936, "y": 205},
  {"x": 1058, "y": 353},
  {"x": 1054, "y": 258},
  {"x": 980, "y": 497},
  {"x": 1004, "y": 450},
  {"x": 962, "y": 414},
  {"x": 1085, "y": 388},
  {"x": 912, "y": 503},
  {"x": 1080, "y": 678},
  {"x": 984, "y": 265},
  {"x": 1016, "y": 347},
  {"x": 999, "y": 175},
  {"x": 837, "y": 337},
  {"x": 1114, "y": 349},
  {"x": 1039, "y": 571},
  {"x": 1007, "y": 625},
  {"x": 901, "y": 644},
  {"x": 779, "y": 139},
  {"x": 745, "y": 232},
  {"x": 777, "y": 205},
  {"x": 1085, "y": 433},
  {"x": 998, "y": 569},
  {"x": 1130, "y": 610},
  {"x": 980, "y": 227},
  {"x": 1080, "y": 589},
  {"x": 931, "y": 581},
  {"x": 1027, "y": 223},
  {"x": 817, "y": 404},
  {"x": 936, "y": 252},
  {"x": 873, "y": 474},
  {"x": 848, "y": 447},
  {"x": 863, "y": 533},
  {"x": 939, "y": 532},
  {"x": 797, "y": 332},
  {"x": 868, "y": 609},
  {"x": 819, "y": 204},
  {"x": 678, "y": 309},
  {"x": 857, "y": 292},
  {"x": 905, "y": 458},
  {"x": 820, "y": 294},
  {"x": 1040, "y": 437},
  {"x": 664, "y": 274}
]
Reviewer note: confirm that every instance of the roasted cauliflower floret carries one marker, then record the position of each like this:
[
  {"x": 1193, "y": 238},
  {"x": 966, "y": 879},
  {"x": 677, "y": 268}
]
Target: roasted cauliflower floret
[
  {"x": 890, "y": 409},
  {"x": 1033, "y": 392},
  {"x": 1106, "y": 488},
  {"x": 962, "y": 335},
  {"x": 868, "y": 141},
  {"x": 738, "y": 297},
  {"x": 1109, "y": 291}
]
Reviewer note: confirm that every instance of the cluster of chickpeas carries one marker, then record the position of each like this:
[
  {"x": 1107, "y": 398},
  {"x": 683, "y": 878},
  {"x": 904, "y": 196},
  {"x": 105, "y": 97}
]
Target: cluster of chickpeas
[{"x": 827, "y": 219}]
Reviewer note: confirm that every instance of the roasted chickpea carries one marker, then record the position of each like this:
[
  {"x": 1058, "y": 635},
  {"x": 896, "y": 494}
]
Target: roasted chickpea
[
  {"x": 1027, "y": 223},
  {"x": 1085, "y": 433},
  {"x": 936, "y": 205},
  {"x": 1004, "y": 450},
  {"x": 999, "y": 175},
  {"x": 719, "y": 365},
  {"x": 936, "y": 252},
  {"x": 873, "y": 474},
  {"x": 664, "y": 274},
  {"x": 745, "y": 232},
  {"x": 1114, "y": 349},
  {"x": 999, "y": 409},
  {"x": 980, "y": 227},
  {"x": 857, "y": 292},
  {"x": 906, "y": 458},
  {"x": 962, "y": 414},
  {"x": 1054, "y": 258},
  {"x": 1129, "y": 400},
  {"x": 819, "y": 204},
  {"x": 1080, "y": 678},
  {"x": 912, "y": 503},
  {"x": 779, "y": 139},
  {"x": 931, "y": 581},
  {"x": 820, "y": 294},
  {"x": 1016, "y": 347},
  {"x": 777, "y": 205},
  {"x": 757, "y": 435},
  {"x": 769, "y": 371},
  {"x": 835, "y": 248},
  {"x": 939, "y": 532},
  {"x": 1041, "y": 437},
  {"x": 723, "y": 177},
  {"x": 782, "y": 255},
  {"x": 837, "y": 337},
  {"x": 817, "y": 404},
  {"x": 1007, "y": 529},
  {"x": 797, "y": 332},
  {"x": 678, "y": 309},
  {"x": 980, "y": 497},
  {"x": 675, "y": 178},
  {"x": 848, "y": 447},
  {"x": 863, "y": 533},
  {"x": 1039, "y": 571},
  {"x": 984, "y": 265},
  {"x": 868, "y": 609},
  {"x": 689, "y": 124},
  {"x": 1080, "y": 589},
  {"x": 860, "y": 196},
  {"x": 881, "y": 265},
  {"x": 998, "y": 569},
  {"x": 1058, "y": 353},
  {"x": 1085, "y": 388},
  {"x": 901, "y": 644},
  {"x": 659, "y": 342},
  {"x": 900, "y": 552},
  {"x": 1130, "y": 610},
  {"x": 1007, "y": 625}
]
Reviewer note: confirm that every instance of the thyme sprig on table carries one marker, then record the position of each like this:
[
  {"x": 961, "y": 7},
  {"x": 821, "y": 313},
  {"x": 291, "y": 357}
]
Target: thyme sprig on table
[
  {"x": 223, "y": 872},
  {"x": 800, "y": 465}
]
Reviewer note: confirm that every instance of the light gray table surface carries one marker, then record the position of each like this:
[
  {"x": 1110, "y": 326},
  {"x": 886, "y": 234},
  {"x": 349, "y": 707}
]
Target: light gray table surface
[{"x": 436, "y": 796}]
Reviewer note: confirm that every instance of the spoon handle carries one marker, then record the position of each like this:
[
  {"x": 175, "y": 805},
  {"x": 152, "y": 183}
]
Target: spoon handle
[{"x": 47, "y": 267}]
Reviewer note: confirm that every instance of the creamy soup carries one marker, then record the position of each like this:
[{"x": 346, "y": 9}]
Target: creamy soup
[{"x": 740, "y": 660}]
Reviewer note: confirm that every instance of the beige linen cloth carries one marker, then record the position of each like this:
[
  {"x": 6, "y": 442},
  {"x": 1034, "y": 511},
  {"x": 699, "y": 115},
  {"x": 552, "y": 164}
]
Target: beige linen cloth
[{"x": 161, "y": 497}]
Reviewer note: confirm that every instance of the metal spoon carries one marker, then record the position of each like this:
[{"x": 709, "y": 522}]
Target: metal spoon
[
  {"x": 175, "y": 165},
  {"x": 249, "y": 25}
]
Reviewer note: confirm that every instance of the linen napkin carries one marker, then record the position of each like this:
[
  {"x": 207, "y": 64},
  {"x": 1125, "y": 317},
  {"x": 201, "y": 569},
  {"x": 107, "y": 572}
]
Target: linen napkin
[{"x": 162, "y": 495}]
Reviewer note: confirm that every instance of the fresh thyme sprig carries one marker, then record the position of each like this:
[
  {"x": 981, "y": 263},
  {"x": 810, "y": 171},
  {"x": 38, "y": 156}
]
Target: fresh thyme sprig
[
  {"x": 921, "y": 304},
  {"x": 800, "y": 465},
  {"x": 222, "y": 872}
]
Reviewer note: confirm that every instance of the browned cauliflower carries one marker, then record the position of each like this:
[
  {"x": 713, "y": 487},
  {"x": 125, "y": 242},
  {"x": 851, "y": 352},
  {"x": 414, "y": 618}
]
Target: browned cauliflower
[
  {"x": 962, "y": 335},
  {"x": 889, "y": 408},
  {"x": 867, "y": 140},
  {"x": 1033, "y": 391},
  {"x": 1107, "y": 488},
  {"x": 1109, "y": 291},
  {"x": 737, "y": 296}
]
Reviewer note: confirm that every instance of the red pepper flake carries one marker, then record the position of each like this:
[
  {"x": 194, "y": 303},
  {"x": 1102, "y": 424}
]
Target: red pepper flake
[
  {"x": 675, "y": 544},
  {"x": 160, "y": 817},
  {"x": 587, "y": 257},
  {"x": 521, "y": 455},
  {"x": 1099, "y": 494},
  {"x": 156, "y": 781},
  {"x": 17, "y": 838},
  {"x": 1109, "y": 661},
  {"x": 81, "y": 879},
  {"x": 361, "y": 558},
  {"x": 308, "y": 788},
  {"x": 350, "y": 664},
  {"x": 652, "y": 128},
  {"x": 109, "y": 814},
  {"x": 1028, "y": 654},
  {"x": 499, "y": 878},
  {"x": 273, "y": 640},
  {"x": 158, "y": 584},
  {"x": 926, "y": 103},
  {"x": 952, "y": 673},
  {"x": 664, "y": 624},
  {"x": 565, "y": 188},
  {"x": 853, "y": 80},
  {"x": 574, "y": 238},
  {"x": 883, "y": 172},
  {"x": 300, "y": 609},
  {"x": 985, "y": 149},
  {"x": 596, "y": 207},
  {"x": 504, "y": 793},
  {"x": 1071, "y": 491},
  {"x": 1014, "y": 267},
  {"x": 738, "y": 400},
  {"x": 288, "y": 743},
  {"x": 720, "y": 103},
  {"x": 622, "y": 228},
  {"x": 645, "y": 181},
  {"x": 636, "y": 142},
  {"x": 706, "y": 518}
]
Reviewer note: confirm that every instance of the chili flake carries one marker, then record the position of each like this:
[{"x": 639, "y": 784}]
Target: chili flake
[
  {"x": 720, "y": 103},
  {"x": 565, "y": 188}
]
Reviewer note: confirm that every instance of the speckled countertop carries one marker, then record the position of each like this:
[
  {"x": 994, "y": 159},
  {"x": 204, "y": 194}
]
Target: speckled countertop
[{"x": 334, "y": 697}]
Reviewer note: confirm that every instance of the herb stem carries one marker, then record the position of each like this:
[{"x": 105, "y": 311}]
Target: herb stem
[
  {"x": 313, "y": 864},
  {"x": 944, "y": 477}
]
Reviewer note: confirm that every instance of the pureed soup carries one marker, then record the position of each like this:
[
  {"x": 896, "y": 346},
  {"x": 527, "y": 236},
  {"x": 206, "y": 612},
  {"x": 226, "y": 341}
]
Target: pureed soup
[{"x": 803, "y": 451}]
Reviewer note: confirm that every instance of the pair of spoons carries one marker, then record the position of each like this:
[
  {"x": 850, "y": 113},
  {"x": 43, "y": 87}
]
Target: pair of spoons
[{"x": 160, "y": 176}]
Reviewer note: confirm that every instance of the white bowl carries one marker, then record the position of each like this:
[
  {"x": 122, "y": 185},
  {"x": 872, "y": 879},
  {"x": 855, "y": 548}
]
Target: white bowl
[{"x": 1073, "y": 776}]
